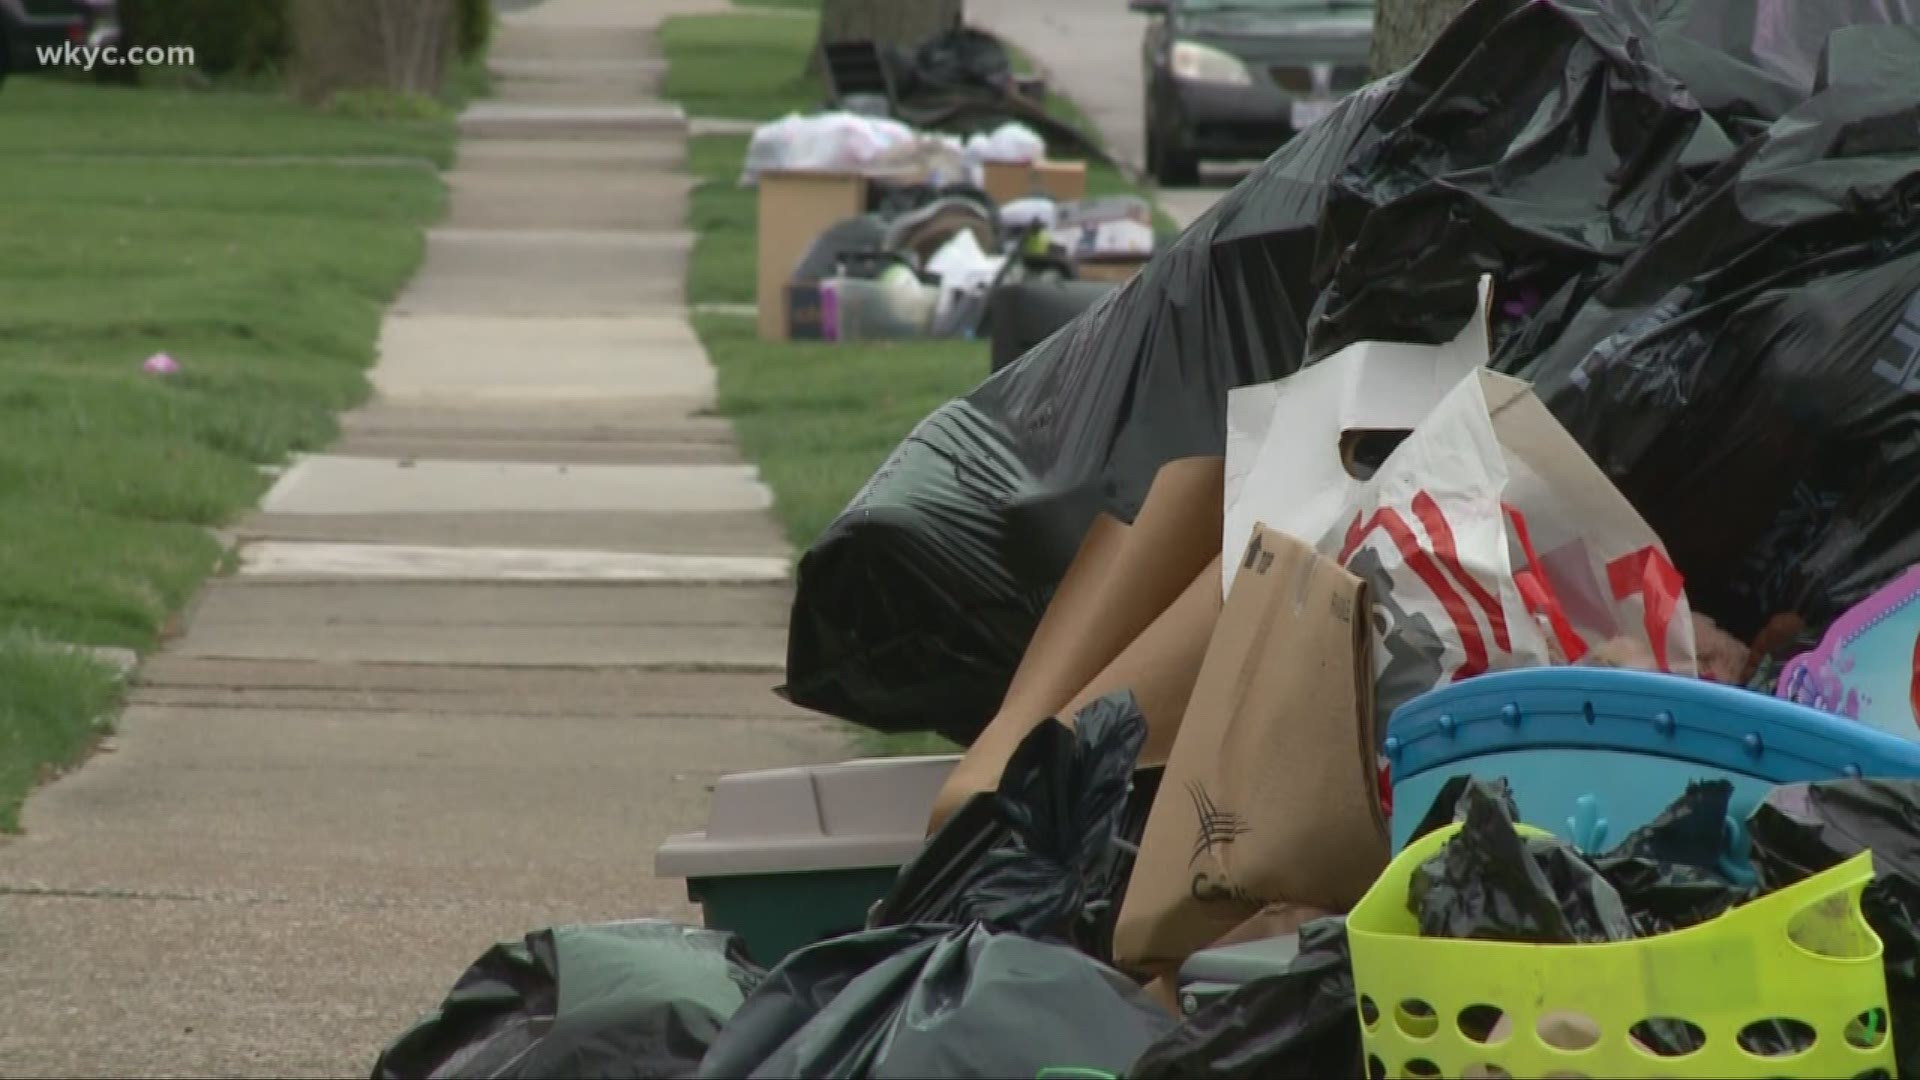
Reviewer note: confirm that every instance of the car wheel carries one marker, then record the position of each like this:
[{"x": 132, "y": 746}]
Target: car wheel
[{"x": 1177, "y": 166}]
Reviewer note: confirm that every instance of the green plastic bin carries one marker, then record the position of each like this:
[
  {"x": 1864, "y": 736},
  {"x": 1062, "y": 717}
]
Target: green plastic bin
[{"x": 792, "y": 856}]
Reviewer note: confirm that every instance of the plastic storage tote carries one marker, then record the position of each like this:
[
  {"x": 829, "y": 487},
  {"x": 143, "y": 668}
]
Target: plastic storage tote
[
  {"x": 1799, "y": 967},
  {"x": 1211, "y": 974},
  {"x": 792, "y": 856},
  {"x": 853, "y": 309},
  {"x": 1593, "y": 753}
]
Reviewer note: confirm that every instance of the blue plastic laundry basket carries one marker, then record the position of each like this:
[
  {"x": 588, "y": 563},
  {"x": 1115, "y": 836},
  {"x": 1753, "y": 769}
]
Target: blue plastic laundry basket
[{"x": 1593, "y": 753}]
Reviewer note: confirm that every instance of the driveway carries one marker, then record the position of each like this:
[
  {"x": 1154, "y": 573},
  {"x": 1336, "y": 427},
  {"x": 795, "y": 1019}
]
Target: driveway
[{"x": 1090, "y": 51}]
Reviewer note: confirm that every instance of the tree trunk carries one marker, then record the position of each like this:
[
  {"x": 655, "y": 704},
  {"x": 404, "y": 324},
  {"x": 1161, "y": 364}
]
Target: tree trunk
[
  {"x": 401, "y": 46},
  {"x": 1402, "y": 30},
  {"x": 886, "y": 22}
]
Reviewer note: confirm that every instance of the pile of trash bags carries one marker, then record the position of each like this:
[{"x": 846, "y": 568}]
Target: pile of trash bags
[
  {"x": 1699, "y": 219},
  {"x": 996, "y": 927},
  {"x": 1692, "y": 227}
]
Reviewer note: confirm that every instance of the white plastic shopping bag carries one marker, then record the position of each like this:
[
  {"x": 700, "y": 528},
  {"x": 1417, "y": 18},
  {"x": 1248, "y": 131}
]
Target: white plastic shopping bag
[
  {"x": 1285, "y": 469},
  {"x": 1490, "y": 540}
]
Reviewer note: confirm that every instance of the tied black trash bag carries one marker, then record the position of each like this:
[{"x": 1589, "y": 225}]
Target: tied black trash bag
[
  {"x": 1545, "y": 173},
  {"x": 1039, "y": 856},
  {"x": 1751, "y": 379},
  {"x": 1299, "y": 1025},
  {"x": 1669, "y": 874},
  {"x": 1802, "y": 829},
  {"x": 1490, "y": 883},
  {"x": 915, "y": 605},
  {"x": 1672, "y": 872},
  {"x": 934, "y": 1001},
  {"x": 621, "y": 1001}
]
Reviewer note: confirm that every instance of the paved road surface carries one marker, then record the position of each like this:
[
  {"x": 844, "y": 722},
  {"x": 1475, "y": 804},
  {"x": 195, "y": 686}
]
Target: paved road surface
[
  {"x": 480, "y": 658},
  {"x": 1090, "y": 50}
]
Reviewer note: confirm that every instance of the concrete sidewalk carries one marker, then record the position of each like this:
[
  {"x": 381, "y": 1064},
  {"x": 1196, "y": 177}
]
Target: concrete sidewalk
[{"x": 478, "y": 660}]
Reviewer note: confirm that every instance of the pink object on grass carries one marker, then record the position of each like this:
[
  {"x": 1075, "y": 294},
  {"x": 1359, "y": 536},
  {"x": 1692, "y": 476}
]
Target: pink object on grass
[{"x": 161, "y": 364}]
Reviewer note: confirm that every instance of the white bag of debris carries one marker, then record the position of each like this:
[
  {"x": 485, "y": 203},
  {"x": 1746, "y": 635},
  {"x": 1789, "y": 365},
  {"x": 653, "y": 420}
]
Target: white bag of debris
[
  {"x": 1010, "y": 142},
  {"x": 827, "y": 142}
]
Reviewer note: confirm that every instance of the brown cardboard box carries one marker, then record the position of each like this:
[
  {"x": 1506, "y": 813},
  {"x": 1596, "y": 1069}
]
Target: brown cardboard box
[
  {"x": 794, "y": 209},
  {"x": 1066, "y": 181},
  {"x": 1271, "y": 791},
  {"x": 1063, "y": 181},
  {"x": 1121, "y": 580}
]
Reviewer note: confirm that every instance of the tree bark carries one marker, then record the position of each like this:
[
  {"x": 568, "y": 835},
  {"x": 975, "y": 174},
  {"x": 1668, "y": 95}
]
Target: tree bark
[
  {"x": 886, "y": 22},
  {"x": 402, "y": 46},
  {"x": 1402, "y": 30}
]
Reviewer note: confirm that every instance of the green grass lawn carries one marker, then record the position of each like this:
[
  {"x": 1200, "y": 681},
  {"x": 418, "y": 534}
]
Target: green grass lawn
[
  {"x": 120, "y": 237},
  {"x": 744, "y": 65}
]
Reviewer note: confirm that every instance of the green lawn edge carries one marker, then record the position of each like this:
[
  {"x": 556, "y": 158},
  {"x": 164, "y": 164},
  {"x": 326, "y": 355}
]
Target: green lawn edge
[{"x": 257, "y": 243}]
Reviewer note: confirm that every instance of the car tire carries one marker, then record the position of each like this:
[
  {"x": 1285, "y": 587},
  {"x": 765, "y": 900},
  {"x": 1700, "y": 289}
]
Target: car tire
[{"x": 1171, "y": 163}]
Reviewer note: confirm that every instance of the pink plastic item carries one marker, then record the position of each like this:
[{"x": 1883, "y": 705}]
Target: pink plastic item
[
  {"x": 161, "y": 364},
  {"x": 1868, "y": 666}
]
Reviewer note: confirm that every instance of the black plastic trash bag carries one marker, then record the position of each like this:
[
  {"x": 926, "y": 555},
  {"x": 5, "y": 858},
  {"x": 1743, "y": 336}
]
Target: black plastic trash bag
[
  {"x": 1802, "y": 829},
  {"x": 1575, "y": 159},
  {"x": 917, "y": 1001},
  {"x": 1450, "y": 804},
  {"x": 1750, "y": 63},
  {"x": 914, "y": 606},
  {"x": 1751, "y": 379},
  {"x": 1300, "y": 1023},
  {"x": 1672, "y": 872},
  {"x": 1492, "y": 884},
  {"x": 620, "y": 1001},
  {"x": 1750, "y": 293},
  {"x": 1045, "y": 855}
]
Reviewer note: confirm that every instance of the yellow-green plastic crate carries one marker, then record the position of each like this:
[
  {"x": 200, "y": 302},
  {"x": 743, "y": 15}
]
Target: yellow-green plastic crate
[{"x": 1804, "y": 955}]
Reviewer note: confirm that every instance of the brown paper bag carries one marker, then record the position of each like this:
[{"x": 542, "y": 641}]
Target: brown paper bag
[
  {"x": 1271, "y": 792},
  {"x": 1118, "y": 585}
]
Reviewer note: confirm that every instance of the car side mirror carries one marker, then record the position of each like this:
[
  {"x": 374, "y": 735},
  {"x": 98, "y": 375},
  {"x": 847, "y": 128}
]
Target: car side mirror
[{"x": 1148, "y": 7}]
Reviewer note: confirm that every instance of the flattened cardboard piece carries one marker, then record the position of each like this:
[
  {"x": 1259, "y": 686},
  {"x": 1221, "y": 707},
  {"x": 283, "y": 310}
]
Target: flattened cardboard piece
[
  {"x": 794, "y": 208},
  {"x": 1274, "y": 920},
  {"x": 1296, "y": 481},
  {"x": 1271, "y": 792},
  {"x": 1121, "y": 580},
  {"x": 1164, "y": 991},
  {"x": 1161, "y": 665}
]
